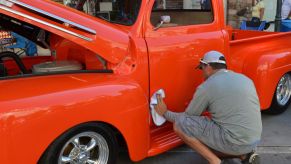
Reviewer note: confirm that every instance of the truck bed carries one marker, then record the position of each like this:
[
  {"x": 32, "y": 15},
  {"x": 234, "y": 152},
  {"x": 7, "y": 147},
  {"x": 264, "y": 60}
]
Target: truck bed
[
  {"x": 255, "y": 53},
  {"x": 236, "y": 34},
  {"x": 245, "y": 44}
]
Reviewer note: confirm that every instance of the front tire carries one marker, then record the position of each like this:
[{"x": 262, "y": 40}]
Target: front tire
[
  {"x": 84, "y": 144},
  {"x": 282, "y": 96}
]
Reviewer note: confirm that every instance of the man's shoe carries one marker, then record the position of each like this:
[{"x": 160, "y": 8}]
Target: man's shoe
[{"x": 251, "y": 158}]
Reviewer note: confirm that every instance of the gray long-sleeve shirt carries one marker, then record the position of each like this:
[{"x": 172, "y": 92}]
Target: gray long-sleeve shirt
[{"x": 232, "y": 100}]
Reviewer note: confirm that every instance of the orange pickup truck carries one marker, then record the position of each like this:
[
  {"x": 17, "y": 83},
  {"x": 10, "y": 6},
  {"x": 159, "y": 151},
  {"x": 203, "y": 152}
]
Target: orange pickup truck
[{"x": 91, "y": 95}]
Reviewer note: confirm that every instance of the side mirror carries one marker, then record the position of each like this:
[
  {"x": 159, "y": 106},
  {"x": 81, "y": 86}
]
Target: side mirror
[{"x": 163, "y": 20}]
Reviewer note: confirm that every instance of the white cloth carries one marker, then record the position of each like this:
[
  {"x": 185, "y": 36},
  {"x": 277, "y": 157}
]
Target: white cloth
[{"x": 158, "y": 120}]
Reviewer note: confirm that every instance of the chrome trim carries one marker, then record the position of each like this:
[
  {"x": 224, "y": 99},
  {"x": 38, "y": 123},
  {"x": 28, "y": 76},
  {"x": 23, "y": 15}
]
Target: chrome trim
[
  {"x": 283, "y": 90},
  {"x": 45, "y": 23},
  {"x": 53, "y": 16},
  {"x": 86, "y": 147},
  {"x": 6, "y": 3}
]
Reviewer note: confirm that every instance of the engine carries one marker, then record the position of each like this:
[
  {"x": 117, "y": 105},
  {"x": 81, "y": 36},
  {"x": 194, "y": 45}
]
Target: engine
[{"x": 57, "y": 66}]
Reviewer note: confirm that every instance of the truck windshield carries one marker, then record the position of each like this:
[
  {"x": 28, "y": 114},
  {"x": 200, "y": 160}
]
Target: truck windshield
[{"x": 116, "y": 11}]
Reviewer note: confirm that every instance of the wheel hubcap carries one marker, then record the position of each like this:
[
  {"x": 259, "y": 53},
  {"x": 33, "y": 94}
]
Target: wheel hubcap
[
  {"x": 283, "y": 91},
  {"x": 85, "y": 148}
]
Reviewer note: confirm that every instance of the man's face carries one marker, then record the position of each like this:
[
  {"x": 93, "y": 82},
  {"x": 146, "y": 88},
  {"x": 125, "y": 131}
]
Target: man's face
[{"x": 206, "y": 69}]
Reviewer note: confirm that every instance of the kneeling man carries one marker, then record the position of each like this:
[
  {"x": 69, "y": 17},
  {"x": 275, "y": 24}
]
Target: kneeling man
[{"x": 235, "y": 126}]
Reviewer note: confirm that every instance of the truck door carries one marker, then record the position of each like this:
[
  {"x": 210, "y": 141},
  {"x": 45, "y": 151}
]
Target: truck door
[{"x": 175, "y": 46}]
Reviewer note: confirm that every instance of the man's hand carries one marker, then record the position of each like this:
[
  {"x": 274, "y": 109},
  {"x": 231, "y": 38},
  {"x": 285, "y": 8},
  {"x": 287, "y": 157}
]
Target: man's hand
[{"x": 161, "y": 107}]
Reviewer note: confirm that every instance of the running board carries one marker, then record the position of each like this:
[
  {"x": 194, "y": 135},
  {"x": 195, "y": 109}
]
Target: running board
[{"x": 164, "y": 141}]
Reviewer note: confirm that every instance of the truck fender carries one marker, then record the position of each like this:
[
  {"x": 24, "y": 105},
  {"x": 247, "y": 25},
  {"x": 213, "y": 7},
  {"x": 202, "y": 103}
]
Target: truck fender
[
  {"x": 40, "y": 119},
  {"x": 266, "y": 70}
]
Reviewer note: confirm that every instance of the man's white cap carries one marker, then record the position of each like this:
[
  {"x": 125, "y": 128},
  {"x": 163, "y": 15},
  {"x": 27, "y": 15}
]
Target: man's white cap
[{"x": 213, "y": 57}]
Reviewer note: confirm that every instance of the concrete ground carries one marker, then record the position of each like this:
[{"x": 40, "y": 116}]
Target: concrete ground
[{"x": 275, "y": 147}]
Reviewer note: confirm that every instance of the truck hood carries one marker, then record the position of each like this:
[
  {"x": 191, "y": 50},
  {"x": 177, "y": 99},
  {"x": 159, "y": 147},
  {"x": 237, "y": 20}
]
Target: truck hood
[{"x": 96, "y": 35}]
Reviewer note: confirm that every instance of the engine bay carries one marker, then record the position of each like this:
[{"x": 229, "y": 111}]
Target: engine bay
[{"x": 64, "y": 55}]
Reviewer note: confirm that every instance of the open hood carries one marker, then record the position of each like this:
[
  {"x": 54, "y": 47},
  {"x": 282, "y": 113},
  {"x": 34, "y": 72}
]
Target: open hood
[{"x": 101, "y": 37}]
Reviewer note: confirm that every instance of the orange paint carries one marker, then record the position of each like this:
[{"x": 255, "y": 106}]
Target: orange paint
[{"x": 36, "y": 110}]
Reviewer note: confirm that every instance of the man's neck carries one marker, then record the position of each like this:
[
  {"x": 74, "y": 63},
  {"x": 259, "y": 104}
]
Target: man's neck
[{"x": 214, "y": 72}]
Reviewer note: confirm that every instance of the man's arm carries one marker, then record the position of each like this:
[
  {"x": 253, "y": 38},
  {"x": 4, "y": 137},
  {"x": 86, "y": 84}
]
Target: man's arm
[
  {"x": 172, "y": 116},
  {"x": 199, "y": 102},
  {"x": 162, "y": 109},
  {"x": 262, "y": 10},
  {"x": 197, "y": 105}
]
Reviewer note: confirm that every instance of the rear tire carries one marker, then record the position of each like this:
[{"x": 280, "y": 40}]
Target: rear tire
[
  {"x": 85, "y": 143},
  {"x": 282, "y": 96}
]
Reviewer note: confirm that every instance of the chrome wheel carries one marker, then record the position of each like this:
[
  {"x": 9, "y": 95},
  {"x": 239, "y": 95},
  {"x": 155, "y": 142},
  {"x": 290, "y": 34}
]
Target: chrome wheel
[
  {"x": 85, "y": 148},
  {"x": 283, "y": 91}
]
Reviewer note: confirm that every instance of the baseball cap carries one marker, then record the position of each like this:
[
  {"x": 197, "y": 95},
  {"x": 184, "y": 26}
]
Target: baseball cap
[{"x": 212, "y": 57}]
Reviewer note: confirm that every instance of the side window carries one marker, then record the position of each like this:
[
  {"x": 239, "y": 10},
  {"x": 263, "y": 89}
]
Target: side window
[
  {"x": 169, "y": 13},
  {"x": 116, "y": 11}
]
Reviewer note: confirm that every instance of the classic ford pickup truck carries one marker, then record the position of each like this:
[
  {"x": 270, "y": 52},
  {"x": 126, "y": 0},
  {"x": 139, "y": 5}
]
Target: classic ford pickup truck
[{"x": 91, "y": 95}]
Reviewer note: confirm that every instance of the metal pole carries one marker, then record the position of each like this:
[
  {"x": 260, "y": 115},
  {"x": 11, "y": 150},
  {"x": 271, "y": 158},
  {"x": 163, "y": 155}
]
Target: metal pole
[
  {"x": 278, "y": 16},
  {"x": 226, "y": 11}
]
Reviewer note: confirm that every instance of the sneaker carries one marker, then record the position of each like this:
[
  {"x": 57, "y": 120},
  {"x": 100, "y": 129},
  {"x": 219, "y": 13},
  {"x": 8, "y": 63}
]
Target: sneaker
[{"x": 251, "y": 158}]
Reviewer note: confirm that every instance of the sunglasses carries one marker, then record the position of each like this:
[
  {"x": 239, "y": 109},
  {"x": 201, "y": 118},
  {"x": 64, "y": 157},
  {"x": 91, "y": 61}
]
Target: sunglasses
[{"x": 201, "y": 65}]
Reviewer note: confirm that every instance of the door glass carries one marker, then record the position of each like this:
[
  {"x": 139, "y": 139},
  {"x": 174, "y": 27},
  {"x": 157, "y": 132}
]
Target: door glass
[
  {"x": 116, "y": 11},
  {"x": 181, "y": 12}
]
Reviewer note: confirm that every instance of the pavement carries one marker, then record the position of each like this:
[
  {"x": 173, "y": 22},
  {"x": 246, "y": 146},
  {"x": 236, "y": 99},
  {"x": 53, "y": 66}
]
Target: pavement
[{"x": 275, "y": 147}]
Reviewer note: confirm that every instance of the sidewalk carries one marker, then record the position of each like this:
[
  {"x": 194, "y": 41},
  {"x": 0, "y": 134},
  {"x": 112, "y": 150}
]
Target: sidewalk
[{"x": 275, "y": 147}]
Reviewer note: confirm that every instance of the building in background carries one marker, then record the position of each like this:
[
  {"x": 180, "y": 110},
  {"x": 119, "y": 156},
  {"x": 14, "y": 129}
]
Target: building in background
[{"x": 270, "y": 10}]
